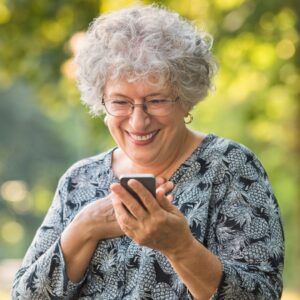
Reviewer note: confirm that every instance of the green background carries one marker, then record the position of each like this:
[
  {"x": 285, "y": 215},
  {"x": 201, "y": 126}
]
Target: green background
[{"x": 44, "y": 128}]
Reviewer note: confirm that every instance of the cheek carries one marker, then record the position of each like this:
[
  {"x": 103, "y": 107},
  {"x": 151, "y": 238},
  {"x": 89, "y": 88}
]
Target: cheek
[
  {"x": 112, "y": 126},
  {"x": 115, "y": 129},
  {"x": 174, "y": 123}
]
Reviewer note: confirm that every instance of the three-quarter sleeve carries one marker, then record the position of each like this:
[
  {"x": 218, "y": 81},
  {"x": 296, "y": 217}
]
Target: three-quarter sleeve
[
  {"x": 43, "y": 274},
  {"x": 246, "y": 233}
]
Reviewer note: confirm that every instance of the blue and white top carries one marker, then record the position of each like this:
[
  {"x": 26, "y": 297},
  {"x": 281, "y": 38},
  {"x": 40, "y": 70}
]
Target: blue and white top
[{"x": 224, "y": 193}]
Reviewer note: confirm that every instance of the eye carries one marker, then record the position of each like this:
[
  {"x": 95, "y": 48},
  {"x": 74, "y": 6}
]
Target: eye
[
  {"x": 157, "y": 101},
  {"x": 119, "y": 102}
]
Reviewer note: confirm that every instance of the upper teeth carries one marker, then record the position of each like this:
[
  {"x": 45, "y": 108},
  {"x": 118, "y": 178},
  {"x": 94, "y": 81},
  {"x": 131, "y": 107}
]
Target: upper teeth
[{"x": 142, "y": 137}]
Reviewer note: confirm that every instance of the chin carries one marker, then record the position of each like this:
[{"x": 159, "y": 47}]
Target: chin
[{"x": 141, "y": 159}]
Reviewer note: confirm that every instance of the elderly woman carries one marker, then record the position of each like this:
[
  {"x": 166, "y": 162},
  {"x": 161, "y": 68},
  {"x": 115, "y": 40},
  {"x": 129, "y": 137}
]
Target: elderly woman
[{"x": 212, "y": 231}]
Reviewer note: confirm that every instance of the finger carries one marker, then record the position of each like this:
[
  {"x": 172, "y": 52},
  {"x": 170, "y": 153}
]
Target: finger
[
  {"x": 132, "y": 205},
  {"x": 145, "y": 196},
  {"x": 170, "y": 198},
  {"x": 166, "y": 187},
  {"x": 159, "y": 181},
  {"x": 165, "y": 201},
  {"x": 124, "y": 218}
]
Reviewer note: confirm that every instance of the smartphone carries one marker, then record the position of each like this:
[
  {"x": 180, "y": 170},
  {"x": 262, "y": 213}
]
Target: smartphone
[{"x": 148, "y": 180}]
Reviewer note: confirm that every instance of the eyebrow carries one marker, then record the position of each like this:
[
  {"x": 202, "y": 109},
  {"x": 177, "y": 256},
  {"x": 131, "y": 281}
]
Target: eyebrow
[{"x": 147, "y": 96}]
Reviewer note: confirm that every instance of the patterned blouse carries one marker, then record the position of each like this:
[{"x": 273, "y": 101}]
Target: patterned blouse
[{"x": 224, "y": 193}]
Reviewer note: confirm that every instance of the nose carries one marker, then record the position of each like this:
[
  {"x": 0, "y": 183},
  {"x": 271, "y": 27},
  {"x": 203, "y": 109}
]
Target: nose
[{"x": 139, "y": 119}]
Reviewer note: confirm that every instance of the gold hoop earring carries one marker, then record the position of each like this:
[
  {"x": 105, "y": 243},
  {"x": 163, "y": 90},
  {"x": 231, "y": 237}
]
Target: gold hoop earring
[{"x": 188, "y": 119}]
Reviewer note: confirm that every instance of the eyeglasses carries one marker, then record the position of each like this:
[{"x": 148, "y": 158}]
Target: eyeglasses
[{"x": 153, "y": 107}]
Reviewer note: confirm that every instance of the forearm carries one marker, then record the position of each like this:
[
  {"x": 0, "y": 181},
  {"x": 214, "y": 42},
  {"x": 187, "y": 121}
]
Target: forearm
[
  {"x": 199, "y": 269},
  {"x": 78, "y": 248}
]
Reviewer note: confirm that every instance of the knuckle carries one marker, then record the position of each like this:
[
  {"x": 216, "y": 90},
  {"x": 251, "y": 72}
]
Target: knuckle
[
  {"x": 134, "y": 206},
  {"x": 165, "y": 185},
  {"x": 124, "y": 219}
]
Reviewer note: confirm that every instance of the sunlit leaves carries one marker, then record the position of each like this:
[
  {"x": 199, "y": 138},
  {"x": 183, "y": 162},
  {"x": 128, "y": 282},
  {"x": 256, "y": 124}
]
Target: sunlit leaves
[
  {"x": 232, "y": 52},
  {"x": 110, "y": 5},
  {"x": 12, "y": 232},
  {"x": 290, "y": 76},
  {"x": 285, "y": 49},
  {"x": 235, "y": 19},
  {"x": 14, "y": 191},
  {"x": 5, "y": 13},
  {"x": 42, "y": 198},
  {"x": 227, "y": 4},
  {"x": 195, "y": 10},
  {"x": 285, "y": 19},
  {"x": 53, "y": 31},
  {"x": 263, "y": 55}
]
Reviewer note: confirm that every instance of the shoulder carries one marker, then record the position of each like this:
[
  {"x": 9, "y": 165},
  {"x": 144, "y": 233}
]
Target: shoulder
[
  {"x": 221, "y": 146},
  {"x": 227, "y": 160},
  {"x": 231, "y": 153}
]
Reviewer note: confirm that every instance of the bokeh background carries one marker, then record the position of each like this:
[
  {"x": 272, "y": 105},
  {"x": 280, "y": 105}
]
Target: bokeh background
[{"x": 44, "y": 128}]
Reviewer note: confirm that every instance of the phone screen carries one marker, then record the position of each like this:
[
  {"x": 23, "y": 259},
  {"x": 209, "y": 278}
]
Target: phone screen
[{"x": 148, "y": 180}]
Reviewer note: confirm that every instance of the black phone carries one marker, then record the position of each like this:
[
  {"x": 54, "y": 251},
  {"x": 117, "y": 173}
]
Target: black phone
[{"x": 148, "y": 180}]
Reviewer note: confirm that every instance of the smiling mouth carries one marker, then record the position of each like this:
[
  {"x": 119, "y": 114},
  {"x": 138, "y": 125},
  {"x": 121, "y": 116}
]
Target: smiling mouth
[{"x": 143, "y": 138}]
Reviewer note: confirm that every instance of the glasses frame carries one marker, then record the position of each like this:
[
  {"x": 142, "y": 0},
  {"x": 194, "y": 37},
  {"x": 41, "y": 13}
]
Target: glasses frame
[{"x": 142, "y": 105}]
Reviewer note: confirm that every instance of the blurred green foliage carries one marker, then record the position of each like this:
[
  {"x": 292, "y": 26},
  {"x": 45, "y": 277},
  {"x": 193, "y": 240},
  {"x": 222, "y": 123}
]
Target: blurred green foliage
[{"x": 44, "y": 128}]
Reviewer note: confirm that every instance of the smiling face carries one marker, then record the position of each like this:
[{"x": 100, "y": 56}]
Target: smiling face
[{"x": 147, "y": 141}]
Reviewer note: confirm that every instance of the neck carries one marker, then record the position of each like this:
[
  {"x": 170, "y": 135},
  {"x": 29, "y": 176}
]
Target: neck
[{"x": 189, "y": 143}]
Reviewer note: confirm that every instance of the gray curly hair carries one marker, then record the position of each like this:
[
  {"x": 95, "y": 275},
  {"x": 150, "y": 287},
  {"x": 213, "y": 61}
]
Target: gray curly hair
[{"x": 142, "y": 41}]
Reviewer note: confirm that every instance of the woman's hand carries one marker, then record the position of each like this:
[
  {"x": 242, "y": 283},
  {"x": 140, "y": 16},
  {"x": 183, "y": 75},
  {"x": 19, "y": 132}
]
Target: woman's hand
[
  {"x": 158, "y": 225},
  {"x": 98, "y": 220}
]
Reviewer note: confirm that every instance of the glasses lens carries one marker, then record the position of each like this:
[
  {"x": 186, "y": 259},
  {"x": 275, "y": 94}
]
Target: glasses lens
[
  {"x": 161, "y": 107},
  {"x": 118, "y": 107}
]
